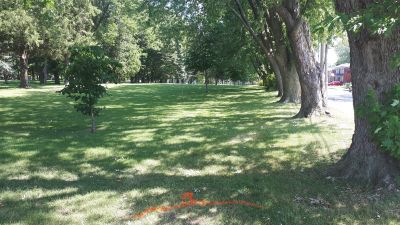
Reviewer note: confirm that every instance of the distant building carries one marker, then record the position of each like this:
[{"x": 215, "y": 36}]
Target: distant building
[{"x": 340, "y": 73}]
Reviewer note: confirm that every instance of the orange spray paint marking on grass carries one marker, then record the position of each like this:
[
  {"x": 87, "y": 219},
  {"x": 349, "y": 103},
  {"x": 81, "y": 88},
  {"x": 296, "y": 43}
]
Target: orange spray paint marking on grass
[{"x": 189, "y": 201}]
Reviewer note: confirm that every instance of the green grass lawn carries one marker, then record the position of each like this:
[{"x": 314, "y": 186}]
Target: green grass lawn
[{"x": 156, "y": 142}]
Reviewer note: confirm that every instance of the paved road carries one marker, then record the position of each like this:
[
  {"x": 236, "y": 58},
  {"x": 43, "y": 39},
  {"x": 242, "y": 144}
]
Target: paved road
[{"x": 340, "y": 99}]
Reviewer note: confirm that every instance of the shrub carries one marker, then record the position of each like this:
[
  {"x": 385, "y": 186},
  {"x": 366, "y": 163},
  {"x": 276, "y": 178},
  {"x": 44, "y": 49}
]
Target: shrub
[
  {"x": 384, "y": 117},
  {"x": 269, "y": 82}
]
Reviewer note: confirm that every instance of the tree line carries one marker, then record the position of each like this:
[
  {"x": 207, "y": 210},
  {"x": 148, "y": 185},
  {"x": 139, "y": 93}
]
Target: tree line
[{"x": 152, "y": 45}]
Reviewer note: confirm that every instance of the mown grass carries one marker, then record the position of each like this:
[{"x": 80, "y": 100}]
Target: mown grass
[{"x": 156, "y": 142}]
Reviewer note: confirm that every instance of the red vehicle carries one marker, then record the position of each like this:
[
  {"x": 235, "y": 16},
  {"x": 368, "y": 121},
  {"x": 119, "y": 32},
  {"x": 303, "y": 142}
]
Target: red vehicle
[{"x": 335, "y": 83}]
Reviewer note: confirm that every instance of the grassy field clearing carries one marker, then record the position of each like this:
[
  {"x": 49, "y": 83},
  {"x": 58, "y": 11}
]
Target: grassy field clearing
[{"x": 156, "y": 142}]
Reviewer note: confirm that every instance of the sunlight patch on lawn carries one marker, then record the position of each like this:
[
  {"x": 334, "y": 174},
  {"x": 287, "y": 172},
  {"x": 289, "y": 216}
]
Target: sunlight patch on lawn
[
  {"x": 242, "y": 138},
  {"x": 115, "y": 107},
  {"x": 206, "y": 170},
  {"x": 140, "y": 135},
  {"x": 15, "y": 169},
  {"x": 98, "y": 207},
  {"x": 147, "y": 166},
  {"x": 35, "y": 193},
  {"x": 180, "y": 113},
  {"x": 231, "y": 159},
  {"x": 182, "y": 139},
  {"x": 52, "y": 173},
  {"x": 98, "y": 153},
  {"x": 18, "y": 92},
  {"x": 157, "y": 191},
  {"x": 88, "y": 168},
  {"x": 45, "y": 173}
]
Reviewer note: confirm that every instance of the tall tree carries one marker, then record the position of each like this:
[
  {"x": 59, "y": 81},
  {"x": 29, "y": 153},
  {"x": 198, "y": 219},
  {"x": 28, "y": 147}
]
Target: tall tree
[
  {"x": 372, "y": 45},
  {"x": 201, "y": 55},
  {"x": 311, "y": 80},
  {"x": 268, "y": 32},
  {"x": 45, "y": 29},
  {"x": 19, "y": 35},
  {"x": 342, "y": 48},
  {"x": 116, "y": 29}
]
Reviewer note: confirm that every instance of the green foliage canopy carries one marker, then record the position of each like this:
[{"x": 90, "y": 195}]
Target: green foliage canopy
[{"x": 89, "y": 69}]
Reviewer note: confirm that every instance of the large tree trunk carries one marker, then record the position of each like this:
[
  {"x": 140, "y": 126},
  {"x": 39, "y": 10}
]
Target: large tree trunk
[
  {"x": 290, "y": 78},
  {"x": 325, "y": 80},
  {"x": 324, "y": 70},
  {"x": 307, "y": 68},
  {"x": 23, "y": 60},
  {"x": 279, "y": 84},
  {"x": 370, "y": 56},
  {"x": 45, "y": 73},
  {"x": 33, "y": 74},
  {"x": 5, "y": 78}
]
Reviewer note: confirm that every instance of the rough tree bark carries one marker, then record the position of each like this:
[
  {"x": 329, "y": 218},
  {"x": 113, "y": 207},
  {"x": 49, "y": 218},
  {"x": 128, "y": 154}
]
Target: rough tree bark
[
  {"x": 324, "y": 70},
  {"x": 370, "y": 55},
  {"x": 279, "y": 84},
  {"x": 23, "y": 60},
  {"x": 325, "y": 80},
  {"x": 33, "y": 74},
  {"x": 309, "y": 72},
  {"x": 290, "y": 79}
]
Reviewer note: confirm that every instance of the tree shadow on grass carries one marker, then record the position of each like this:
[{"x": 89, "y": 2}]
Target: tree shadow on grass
[{"x": 155, "y": 143}]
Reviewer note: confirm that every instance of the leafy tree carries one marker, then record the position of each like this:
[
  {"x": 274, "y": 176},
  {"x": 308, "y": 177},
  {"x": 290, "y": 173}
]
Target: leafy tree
[
  {"x": 157, "y": 66},
  {"x": 373, "y": 29},
  {"x": 19, "y": 34},
  {"x": 6, "y": 70},
  {"x": 201, "y": 55},
  {"x": 343, "y": 50},
  {"x": 89, "y": 69},
  {"x": 44, "y": 30},
  {"x": 61, "y": 24},
  {"x": 268, "y": 34},
  {"x": 116, "y": 29}
]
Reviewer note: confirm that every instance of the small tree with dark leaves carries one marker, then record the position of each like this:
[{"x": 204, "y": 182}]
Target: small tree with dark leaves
[{"x": 89, "y": 69}]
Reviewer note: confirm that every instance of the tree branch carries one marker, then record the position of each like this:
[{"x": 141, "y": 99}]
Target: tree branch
[
  {"x": 254, "y": 9},
  {"x": 284, "y": 13},
  {"x": 242, "y": 16}
]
